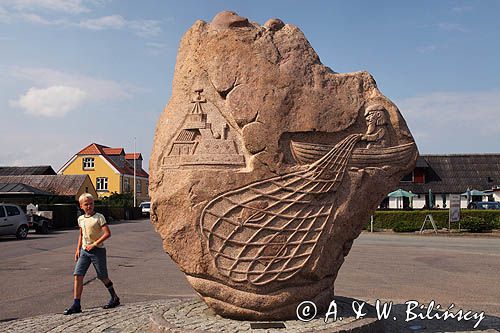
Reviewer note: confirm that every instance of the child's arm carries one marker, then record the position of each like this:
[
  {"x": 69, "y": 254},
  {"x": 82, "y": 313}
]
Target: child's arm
[
  {"x": 106, "y": 235},
  {"x": 79, "y": 246}
]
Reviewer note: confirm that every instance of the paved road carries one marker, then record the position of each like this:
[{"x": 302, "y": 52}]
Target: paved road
[
  {"x": 36, "y": 273},
  {"x": 460, "y": 270}
]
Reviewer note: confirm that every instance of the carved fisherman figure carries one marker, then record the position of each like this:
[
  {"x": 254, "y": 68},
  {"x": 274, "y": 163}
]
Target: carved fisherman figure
[{"x": 376, "y": 121}]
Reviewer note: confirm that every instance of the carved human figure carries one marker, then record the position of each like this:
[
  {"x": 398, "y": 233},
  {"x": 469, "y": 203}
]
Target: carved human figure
[{"x": 376, "y": 121}]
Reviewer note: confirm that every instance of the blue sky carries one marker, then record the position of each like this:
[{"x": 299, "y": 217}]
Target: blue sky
[{"x": 75, "y": 72}]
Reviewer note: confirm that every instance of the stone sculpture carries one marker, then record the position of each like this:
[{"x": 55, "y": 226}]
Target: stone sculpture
[{"x": 266, "y": 165}]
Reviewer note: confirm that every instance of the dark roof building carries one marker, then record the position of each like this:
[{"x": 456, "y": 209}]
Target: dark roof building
[
  {"x": 26, "y": 170},
  {"x": 56, "y": 185},
  {"x": 436, "y": 177},
  {"x": 453, "y": 173},
  {"x": 12, "y": 189}
]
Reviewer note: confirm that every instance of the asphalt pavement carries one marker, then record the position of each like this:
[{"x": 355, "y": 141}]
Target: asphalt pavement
[{"x": 36, "y": 273}]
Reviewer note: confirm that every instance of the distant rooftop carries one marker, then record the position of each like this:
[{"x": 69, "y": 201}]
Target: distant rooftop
[
  {"x": 26, "y": 170},
  {"x": 112, "y": 155},
  {"x": 454, "y": 173},
  {"x": 66, "y": 185}
]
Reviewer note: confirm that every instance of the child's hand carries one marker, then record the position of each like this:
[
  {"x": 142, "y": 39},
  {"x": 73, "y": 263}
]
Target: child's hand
[
  {"x": 89, "y": 247},
  {"x": 77, "y": 254}
]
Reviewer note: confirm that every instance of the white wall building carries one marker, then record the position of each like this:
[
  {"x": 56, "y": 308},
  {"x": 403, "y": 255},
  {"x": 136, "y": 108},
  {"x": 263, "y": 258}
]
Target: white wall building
[{"x": 449, "y": 174}]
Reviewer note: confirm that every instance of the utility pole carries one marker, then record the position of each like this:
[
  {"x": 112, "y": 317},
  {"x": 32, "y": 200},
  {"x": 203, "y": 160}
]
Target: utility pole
[{"x": 135, "y": 184}]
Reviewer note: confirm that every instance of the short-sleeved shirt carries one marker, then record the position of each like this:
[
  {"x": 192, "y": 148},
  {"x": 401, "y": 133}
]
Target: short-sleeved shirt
[{"x": 91, "y": 228}]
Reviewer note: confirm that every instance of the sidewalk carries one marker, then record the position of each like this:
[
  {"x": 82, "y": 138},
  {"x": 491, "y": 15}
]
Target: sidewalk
[
  {"x": 127, "y": 318},
  {"x": 135, "y": 317}
]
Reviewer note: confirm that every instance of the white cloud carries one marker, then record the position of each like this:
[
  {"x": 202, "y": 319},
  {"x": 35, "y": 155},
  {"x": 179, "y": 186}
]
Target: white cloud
[
  {"x": 145, "y": 28},
  {"x": 37, "y": 19},
  {"x": 451, "y": 27},
  {"x": 5, "y": 16},
  {"x": 454, "y": 121},
  {"x": 461, "y": 9},
  {"x": 427, "y": 49},
  {"x": 97, "y": 89},
  {"x": 155, "y": 49},
  {"x": 32, "y": 11},
  {"x": 142, "y": 28},
  {"x": 66, "y": 6},
  {"x": 54, "y": 101},
  {"x": 105, "y": 22},
  {"x": 27, "y": 148}
]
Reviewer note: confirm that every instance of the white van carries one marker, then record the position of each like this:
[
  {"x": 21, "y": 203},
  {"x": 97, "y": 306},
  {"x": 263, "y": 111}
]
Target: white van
[{"x": 145, "y": 208}]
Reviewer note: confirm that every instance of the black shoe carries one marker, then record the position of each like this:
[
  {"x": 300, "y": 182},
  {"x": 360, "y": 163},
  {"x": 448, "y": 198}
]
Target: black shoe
[
  {"x": 72, "y": 309},
  {"x": 113, "y": 303}
]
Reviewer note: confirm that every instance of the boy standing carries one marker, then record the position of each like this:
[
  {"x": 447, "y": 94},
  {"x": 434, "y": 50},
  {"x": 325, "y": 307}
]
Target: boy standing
[{"x": 90, "y": 249}]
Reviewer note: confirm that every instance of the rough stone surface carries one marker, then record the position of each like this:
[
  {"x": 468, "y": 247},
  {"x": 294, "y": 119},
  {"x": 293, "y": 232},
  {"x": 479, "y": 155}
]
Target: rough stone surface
[{"x": 266, "y": 165}]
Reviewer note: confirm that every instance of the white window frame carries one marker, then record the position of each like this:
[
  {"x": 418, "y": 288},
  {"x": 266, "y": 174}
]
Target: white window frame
[
  {"x": 138, "y": 186},
  {"x": 88, "y": 163},
  {"x": 101, "y": 184}
]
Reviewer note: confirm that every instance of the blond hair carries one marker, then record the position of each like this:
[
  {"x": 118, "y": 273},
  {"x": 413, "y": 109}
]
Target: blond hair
[{"x": 85, "y": 196}]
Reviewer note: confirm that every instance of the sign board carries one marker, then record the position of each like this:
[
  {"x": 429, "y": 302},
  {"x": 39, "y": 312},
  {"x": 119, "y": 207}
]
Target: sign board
[
  {"x": 454, "y": 207},
  {"x": 431, "y": 220}
]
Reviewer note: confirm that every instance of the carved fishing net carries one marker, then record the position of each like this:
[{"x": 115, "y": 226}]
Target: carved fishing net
[{"x": 266, "y": 231}]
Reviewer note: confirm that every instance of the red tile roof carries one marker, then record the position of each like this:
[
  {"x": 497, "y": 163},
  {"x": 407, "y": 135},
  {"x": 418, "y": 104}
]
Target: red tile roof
[
  {"x": 92, "y": 149},
  {"x": 126, "y": 168},
  {"x": 132, "y": 156},
  {"x": 114, "y": 151}
]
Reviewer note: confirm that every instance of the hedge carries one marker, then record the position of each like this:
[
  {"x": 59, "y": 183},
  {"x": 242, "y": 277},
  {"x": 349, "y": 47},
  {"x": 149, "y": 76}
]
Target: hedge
[
  {"x": 119, "y": 213},
  {"x": 393, "y": 218},
  {"x": 477, "y": 224}
]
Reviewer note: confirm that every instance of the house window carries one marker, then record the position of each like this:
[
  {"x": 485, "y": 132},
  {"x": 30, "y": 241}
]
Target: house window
[
  {"x": 88, "y": 163},
  {"x": 138, "y": 187},
  {"x": 102, "y": 184},
  {"x": 126, "y": 185},
  {"x": 418, "y": 176}
]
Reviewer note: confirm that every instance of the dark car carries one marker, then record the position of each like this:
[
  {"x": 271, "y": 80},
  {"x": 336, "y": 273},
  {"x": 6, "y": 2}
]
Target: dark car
[{"x": 484, "y": 205}]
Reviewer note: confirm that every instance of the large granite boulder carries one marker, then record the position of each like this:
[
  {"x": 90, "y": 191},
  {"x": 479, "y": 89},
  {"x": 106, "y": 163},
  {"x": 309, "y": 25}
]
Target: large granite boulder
[{"x": 266, "y": 165}]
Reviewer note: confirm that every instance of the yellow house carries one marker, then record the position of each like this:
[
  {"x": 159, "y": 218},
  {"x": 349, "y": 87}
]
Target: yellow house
[{"x": 110, "y": 170}]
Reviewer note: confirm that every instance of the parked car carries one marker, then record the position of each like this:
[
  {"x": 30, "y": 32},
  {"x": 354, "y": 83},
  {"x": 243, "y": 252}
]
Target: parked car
[
  {"x": 484, "y": 205},
  {"x": 13, "y": 221},
  {"x": 145, "y": 208}
]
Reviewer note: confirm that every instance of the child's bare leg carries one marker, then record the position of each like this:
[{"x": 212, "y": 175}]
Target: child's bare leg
[
  {"x": 78, "y": 287},
  {"x": 77, "y": 293}
]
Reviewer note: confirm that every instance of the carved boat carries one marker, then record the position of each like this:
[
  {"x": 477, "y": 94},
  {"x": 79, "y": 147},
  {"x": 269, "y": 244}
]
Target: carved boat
[{"x": 307, "y": 153}]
